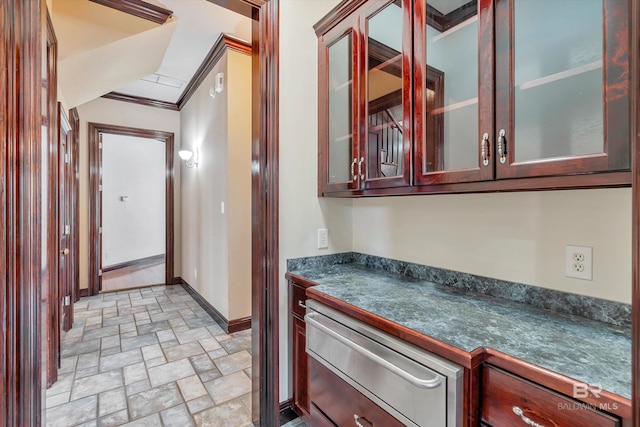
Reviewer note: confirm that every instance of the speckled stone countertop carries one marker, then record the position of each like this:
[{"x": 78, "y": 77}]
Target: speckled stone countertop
[{"x": 587, "y": 350}]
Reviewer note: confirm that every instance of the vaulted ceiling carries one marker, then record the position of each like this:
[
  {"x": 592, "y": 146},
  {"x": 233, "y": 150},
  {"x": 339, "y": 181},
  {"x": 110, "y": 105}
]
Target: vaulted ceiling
[{"x": 103, "y": 50}]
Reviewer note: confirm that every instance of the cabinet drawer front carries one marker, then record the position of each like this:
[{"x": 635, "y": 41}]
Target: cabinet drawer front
[
  {"x": 318, "y": 419},
  {"x": 510, "y": 401},
  {"x": 340, "y": 401},
  {"x": 298, "y": 297}
]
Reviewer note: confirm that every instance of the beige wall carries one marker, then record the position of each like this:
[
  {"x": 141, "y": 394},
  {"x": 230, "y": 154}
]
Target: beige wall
[
  {"x": 238, "y": 206},
  {"x": 119, "y": 113},
  {"x": 216, "y": 244},
  {"x": 301, "y": 212},
  {"x": 518, "y": 237}
]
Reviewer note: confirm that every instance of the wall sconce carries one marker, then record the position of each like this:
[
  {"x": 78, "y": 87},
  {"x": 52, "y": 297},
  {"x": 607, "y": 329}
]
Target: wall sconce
[{"x": 190, "y": 157}]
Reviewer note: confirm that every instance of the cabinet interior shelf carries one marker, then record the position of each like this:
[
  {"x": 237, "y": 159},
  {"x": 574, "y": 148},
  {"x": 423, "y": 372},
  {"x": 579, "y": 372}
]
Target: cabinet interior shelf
[{"x": 561, "y": 75}]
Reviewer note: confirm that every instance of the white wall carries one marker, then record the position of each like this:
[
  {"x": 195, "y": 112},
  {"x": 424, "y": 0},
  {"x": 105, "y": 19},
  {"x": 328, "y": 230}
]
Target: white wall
[
  {"x": 301, "y": 212},
  {"x": 107, "y": 111},
  {"x": 217, "y": 244},
  {"x": 134, "y": 228}
]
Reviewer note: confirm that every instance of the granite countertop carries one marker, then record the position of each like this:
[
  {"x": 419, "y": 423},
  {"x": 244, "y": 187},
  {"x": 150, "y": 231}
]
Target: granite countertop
[{"x": 587, "y": 350}]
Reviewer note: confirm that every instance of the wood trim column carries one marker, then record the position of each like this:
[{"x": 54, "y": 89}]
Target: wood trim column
[
  {"x": 265, "y": 255},
  {"x": 23, "y": 24},
  {"x": 75, "y": 196},
  {"x": 51, "y": 300},
  {"x": 635, "y": 252}
]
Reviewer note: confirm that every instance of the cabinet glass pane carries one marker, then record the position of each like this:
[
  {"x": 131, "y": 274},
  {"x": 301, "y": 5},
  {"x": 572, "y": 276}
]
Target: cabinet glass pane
[
  {"x": 558, "y": 79},
  {"x": 452, "y": 86},
  {"x": 340, "y": 109},
  {"x": 384, "y": 91}
]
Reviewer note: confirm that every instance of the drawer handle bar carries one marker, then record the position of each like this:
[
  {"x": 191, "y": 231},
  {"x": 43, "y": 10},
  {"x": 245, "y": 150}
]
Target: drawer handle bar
[
  {"x": 524, "y": 418},
  {"x": 418, "y": 382},
  {"x": 357, "y": 419},
  {"x": 301, "y": 304}
]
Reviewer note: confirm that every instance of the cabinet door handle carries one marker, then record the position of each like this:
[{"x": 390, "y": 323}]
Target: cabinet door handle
[
  {"x": 360, "y": 168},
  {"x": 502, "y": 146},
  {"x": 485, "y": 149},
  {"x": 301, "y": 304},
  {"x": 524, "y": 418},
  {"x": 353, "y": 165}
]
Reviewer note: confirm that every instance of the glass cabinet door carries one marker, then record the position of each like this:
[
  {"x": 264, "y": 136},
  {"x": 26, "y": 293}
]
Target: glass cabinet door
[
  {"x": 386, "y": 142},
  {"x": 562, "y": 94},
  {"x": 338, "y": 113},
  {"x": 455, "y": 113}
]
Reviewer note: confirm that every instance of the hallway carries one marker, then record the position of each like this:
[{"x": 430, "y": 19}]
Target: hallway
[{"x": 150, "y": 357}]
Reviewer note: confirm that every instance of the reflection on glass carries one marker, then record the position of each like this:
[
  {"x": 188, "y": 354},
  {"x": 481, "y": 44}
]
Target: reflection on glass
[
  {"x": 340, "y": 110},
  {"x": 452, "y": 86},
  {"x": 384, "y": 92},
  {"x": 558, "y": 78}
]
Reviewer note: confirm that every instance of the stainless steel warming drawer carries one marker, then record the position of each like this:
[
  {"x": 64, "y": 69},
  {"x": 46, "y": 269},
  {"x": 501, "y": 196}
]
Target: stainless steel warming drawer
[{"x": 414, "y": 386}]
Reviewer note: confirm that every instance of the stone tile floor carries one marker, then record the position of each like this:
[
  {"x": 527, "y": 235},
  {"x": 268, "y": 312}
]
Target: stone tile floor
[
  {"x": 150, "y": 357},
  {"x": 295, "y": 423}
]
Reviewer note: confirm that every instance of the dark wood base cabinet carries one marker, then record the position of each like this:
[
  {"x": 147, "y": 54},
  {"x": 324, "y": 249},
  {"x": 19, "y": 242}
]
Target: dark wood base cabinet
[
  {"x": 336, "y": 403},
  {"x": 297, "y": 328},
  {"x": 508, "y": 400}
]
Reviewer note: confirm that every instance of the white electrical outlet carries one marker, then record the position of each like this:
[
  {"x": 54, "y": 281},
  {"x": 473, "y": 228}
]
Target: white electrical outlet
[
  {"x": 195, "y": 273},
  {"x": 579, "y": 262},
  {"x": 107, "y": 255},
  {"x": 222, "y": 208},
  {"x": 323, "y": 238}
]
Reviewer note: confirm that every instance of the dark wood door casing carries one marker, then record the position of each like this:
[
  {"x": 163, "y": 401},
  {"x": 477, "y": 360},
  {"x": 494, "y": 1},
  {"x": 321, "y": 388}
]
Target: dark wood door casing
[
  {"x": 64, "y": 252},
  {"x": 75, "y": 203},
  {"x": 23, "y": 51},
  {"x": 51, "y": 308},
  {"x": 95, "y": 197},
  {"x": 635, "y": 226},
  {"x": 265, "y": 281}
]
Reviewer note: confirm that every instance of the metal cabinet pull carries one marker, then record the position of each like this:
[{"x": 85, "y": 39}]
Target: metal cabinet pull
[
  {"x": 484, "y": 152},
  {"x": 360, "y": 168},
  {"x": 407, "y": 376},
  {"x": 64, "y": 251},
  {"x": 502, "y": 146},
  {"x": 353, "y": 165},
  {"x": 524, "y": 418},
  {"x": 301, "y": 304},
  {"x": 357, "y": 419}
]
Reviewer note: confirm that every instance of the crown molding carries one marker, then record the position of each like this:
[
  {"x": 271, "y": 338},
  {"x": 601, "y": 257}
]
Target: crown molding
[
  {"x": 223, "y": 43},
  {"x": 139, "y": 8},
  {"x": 149, "y": 102}
]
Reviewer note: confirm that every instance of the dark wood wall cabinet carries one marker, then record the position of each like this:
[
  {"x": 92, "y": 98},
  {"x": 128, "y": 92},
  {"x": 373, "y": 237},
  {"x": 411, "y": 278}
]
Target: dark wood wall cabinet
[{"x": 487, "y": 95}]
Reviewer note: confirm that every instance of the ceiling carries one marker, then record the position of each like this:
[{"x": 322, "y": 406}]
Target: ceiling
[
  {"x": 102, "y": 50},
  {"x": 447, "y": 6}
]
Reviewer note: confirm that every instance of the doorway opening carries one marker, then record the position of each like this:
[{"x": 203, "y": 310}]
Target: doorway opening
[
  {"x": 133, "y": 218},
  {"x": 131, "y": 214}
]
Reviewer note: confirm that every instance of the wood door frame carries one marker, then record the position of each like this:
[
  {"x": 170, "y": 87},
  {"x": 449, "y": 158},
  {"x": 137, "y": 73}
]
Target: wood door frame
[
  {"x": 75, "y": 197},
  {"x": 95, "y": 197},
  {"x": 635, "y": 221},
  {"x": 23, "y": 188},
  {"x": 64, "y": 127},
  {"x": 52, "y": 300}
]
